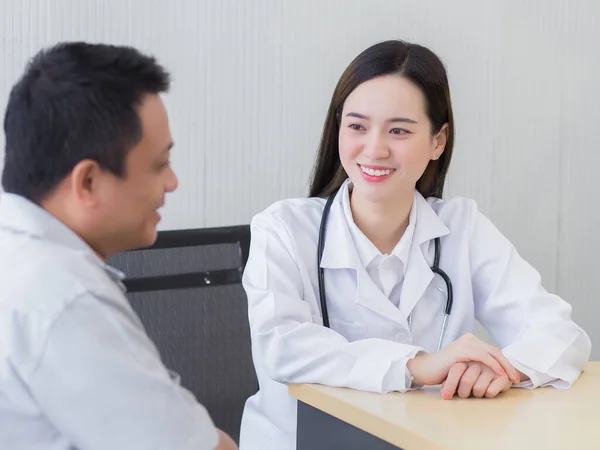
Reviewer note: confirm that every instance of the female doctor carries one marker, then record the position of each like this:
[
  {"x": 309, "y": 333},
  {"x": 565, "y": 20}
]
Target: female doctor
[{"x": 383, "y": 158}]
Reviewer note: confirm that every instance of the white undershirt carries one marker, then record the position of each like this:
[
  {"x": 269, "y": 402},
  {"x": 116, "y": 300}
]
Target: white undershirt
[{"x": 386, "y": 271}]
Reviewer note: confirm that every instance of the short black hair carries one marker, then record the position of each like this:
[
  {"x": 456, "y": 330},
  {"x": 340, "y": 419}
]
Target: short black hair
[{"x": 75, "y": 101}]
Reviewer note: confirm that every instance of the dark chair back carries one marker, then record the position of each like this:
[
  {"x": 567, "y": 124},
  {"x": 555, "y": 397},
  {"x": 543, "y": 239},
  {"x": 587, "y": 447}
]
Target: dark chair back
[{"x": 187, "y": 291}]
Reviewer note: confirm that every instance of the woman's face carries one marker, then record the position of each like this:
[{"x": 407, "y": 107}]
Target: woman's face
[{"x": 385, "y": 139}]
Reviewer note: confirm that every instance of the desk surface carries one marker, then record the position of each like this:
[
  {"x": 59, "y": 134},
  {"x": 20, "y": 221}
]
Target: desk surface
[{"x": 544, "y": 418}]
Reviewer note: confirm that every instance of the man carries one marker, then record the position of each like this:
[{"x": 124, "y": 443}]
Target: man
[{"x": 86, "y": 171}]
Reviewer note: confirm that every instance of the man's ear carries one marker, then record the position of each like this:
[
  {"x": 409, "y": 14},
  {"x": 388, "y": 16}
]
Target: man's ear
[{"x": 85, "y": 180}]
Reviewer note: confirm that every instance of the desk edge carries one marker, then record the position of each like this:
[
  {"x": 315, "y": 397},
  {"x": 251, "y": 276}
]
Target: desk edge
[{"x": 357, "y": 417}]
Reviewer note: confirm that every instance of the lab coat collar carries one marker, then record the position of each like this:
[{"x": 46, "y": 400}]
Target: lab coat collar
[
  {"x": 429, "y": 224},
  {"x": 339, "y": 251},
  {"x": 22, "y": 215}
]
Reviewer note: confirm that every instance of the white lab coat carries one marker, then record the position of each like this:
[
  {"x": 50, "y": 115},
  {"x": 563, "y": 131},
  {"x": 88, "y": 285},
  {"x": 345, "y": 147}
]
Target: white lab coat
[{"x": 370, "y": 342}]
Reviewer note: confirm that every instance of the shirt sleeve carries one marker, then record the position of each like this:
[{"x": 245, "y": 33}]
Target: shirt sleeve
[
  {"x": 101, "y": 382},
  {"x": 532, "y": 326}
]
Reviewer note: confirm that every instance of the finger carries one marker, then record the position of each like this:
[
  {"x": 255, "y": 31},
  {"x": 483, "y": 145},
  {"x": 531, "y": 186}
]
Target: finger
[
  {"x": 510, "y": 370},
  {"x": 495, "y": 365},
  {"x": 468, "y": 380},
  {"x": 476, "y": 354},
  {"x": 483, "y": 382},
  {"x": 500, "y": 384},
  {"x": 473, "y": 341},
  {"x": 454, "y": 375}
]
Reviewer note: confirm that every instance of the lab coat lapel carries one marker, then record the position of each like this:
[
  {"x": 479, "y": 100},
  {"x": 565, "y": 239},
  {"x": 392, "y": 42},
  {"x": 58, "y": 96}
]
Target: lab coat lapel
[
  {"x": 417, "y": 278},
  {"x": 339, "y": 252},
  {"x": 418, "y": 274},
  {"x": 370, "y": 296}
]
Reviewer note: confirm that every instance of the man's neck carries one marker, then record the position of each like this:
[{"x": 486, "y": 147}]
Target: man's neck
[{"x": 57, "y": 208}]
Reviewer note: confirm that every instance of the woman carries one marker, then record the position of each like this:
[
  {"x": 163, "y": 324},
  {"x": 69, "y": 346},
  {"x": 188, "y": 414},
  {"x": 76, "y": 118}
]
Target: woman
[{"x": 383, "y": 158}]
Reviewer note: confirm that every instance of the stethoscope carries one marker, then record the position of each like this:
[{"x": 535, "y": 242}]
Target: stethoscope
[{"x": 435, "y": 268}]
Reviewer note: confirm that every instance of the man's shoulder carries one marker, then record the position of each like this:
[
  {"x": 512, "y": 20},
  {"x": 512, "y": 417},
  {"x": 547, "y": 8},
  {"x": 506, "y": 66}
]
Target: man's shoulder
[
  {"x": 36, "y": 273},
  {"x": 39, "y": 279}
]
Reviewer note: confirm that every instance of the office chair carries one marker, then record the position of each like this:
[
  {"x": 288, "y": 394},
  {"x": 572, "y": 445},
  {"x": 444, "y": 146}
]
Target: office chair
[{"x": 187, "y": 291}]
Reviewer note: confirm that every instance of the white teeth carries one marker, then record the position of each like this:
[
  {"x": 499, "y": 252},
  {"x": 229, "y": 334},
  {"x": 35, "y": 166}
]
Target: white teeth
[{"x": 376, "y": 173}]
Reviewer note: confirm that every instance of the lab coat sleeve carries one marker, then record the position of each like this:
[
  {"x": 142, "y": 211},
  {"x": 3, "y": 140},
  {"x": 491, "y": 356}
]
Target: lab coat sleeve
[
  {"x": 532, "y": 326},
  {"x": 294, "y": 349}
]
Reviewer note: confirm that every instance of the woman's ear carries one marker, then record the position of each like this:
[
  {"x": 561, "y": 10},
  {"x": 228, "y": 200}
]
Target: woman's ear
[{"x": 439, "y": 142}]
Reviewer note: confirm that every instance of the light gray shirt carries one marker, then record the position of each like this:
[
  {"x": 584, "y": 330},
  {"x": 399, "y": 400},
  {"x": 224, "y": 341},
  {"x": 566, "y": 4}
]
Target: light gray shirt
[{"x": 77, "y": 370}]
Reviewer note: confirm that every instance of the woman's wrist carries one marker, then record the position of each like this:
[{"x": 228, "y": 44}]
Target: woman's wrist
[{"x": 415, "y": 367}]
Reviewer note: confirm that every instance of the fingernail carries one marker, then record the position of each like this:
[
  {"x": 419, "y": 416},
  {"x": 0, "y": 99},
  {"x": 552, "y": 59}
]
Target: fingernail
[{"x": 446, "y": 395}]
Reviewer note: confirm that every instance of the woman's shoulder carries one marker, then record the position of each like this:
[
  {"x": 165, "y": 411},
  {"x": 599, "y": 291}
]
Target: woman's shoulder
[
  {"x": 463, "y": 217},
  {"x": 452, "y": 205},
  {"x": 455, "y": 212}
]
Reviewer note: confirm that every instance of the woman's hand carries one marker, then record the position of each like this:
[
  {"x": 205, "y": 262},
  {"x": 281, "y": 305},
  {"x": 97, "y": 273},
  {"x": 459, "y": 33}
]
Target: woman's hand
[
  {"x": 474, "y": 379},
  {"x": 432, "y": 369}
]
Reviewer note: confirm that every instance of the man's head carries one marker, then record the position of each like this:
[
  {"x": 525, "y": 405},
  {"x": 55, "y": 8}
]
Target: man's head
[{"x": 88, "y": 139}]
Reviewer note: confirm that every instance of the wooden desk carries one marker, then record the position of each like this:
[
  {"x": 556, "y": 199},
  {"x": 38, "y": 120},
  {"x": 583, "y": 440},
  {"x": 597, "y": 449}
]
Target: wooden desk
[{"x": 545, "y": 418}]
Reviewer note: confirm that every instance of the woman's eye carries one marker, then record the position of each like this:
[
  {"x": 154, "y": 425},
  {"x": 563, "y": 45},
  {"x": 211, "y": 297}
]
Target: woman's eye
[
  {"x": 398, "y": 131},
  {"x": 356, "y": 127}
]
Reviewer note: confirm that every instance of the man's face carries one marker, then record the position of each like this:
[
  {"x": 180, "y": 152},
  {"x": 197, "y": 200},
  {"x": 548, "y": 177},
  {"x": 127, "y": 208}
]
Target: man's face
[{"x": 128, "y": 206}]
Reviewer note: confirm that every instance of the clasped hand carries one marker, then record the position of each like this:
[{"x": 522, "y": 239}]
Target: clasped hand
[
  {"x": 474, "y": 379},
  {"x": 467, "y": 367}
]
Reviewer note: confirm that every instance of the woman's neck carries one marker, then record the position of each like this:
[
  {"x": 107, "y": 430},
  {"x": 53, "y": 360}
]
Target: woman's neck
[{"x": 382, "y": 223}]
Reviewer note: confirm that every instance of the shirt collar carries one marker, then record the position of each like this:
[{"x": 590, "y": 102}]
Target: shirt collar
[
  {"x": 366, "y": 250},
  {"x": 23, "y": 216}
]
